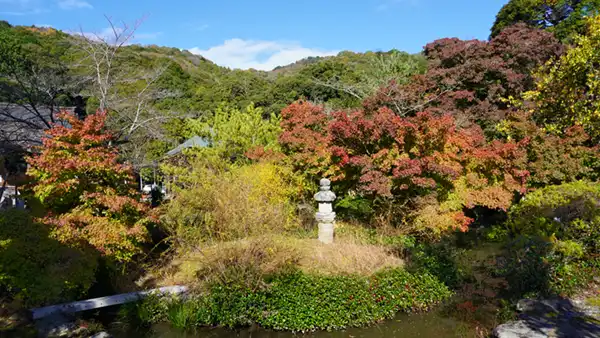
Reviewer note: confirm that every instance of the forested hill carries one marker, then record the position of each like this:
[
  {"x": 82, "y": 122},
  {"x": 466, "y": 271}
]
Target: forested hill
[
  {"x": 204, "y": 84},
  {"x": 163, "y": 85}
]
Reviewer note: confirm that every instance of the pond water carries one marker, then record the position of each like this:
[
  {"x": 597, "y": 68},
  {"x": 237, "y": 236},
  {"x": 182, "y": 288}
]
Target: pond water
[{"x": 430, "y": 324}]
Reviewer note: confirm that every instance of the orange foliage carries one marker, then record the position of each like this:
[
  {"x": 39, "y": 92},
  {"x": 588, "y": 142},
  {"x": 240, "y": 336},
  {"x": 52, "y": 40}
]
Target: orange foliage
[
  {"x": 89, "y": 195},
  {"x": 379, "y": 154}
]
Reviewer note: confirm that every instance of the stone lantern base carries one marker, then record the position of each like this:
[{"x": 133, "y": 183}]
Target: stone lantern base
[{"x": 326, "y": 233}]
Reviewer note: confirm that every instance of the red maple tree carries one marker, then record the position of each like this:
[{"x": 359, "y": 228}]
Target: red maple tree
[
  {"x": 424, "y": 161},
  {"x": 472, "y": 79},
  {"x": 89, "y": 196}
]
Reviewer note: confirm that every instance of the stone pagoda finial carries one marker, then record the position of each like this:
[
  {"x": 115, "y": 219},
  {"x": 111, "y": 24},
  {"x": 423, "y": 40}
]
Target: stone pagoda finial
[{"x": 325, "y": 216}]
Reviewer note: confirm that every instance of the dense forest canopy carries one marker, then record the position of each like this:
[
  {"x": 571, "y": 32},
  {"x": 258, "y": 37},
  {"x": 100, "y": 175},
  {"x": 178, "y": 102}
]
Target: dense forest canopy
[{"x": 565, "y": 18}]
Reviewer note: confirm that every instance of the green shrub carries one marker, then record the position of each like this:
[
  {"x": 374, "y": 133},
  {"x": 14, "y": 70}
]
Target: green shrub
[
  {"x": 443, "y": 260},
  {"x": 566, "y": 212},
  {"x": 535, "y": 266},
  {"x": 558, "y": 229},
  {"x": 497, "y": 234},
  {"x": 302, "y": 302},
  {"x": 231, "y": 306},
  {"x": 152, "y": 309},
  {"x": 214, "y": 204},
  {"x": 38, "y": 269},
  {"x": 526, "y": 268},
  {"x": 354, "y": 207}
]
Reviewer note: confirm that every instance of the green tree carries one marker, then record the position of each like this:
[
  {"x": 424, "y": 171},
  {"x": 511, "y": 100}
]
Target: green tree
[
  {"x": 34, "y": 80},
  {"x": 232, "y": 133},
  {"x": 568, "y": 90},
  {"x": 564, "y": 17},
  {"x": 373, "y": 71}
]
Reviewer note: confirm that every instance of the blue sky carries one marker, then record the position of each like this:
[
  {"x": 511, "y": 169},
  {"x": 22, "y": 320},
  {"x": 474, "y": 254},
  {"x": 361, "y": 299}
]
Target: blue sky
[{"x": 263, "y": 34}]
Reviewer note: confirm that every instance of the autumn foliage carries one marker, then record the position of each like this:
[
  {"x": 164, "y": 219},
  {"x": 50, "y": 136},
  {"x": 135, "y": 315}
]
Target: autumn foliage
[
  {"x": 460, "y": 136},
  {"x": 90, "y": 197},
  {"x": 552, "y": 158},
  {"x": 472, "y": 79},
  {"x": 305, "y": 137},
  {"x": 425, "y": 162}
]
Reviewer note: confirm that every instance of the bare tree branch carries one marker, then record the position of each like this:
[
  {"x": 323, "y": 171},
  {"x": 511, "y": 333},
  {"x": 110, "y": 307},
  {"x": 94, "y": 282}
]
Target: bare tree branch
[{"x": 128, "y": 91}]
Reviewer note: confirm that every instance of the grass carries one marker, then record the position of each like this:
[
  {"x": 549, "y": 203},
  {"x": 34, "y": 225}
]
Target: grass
[
  {"x": 344, "y": 258},
  {"x": 225, "y": 205},
  {"x": 256, "y": 257},
  {"x": 593, "y": 301}
]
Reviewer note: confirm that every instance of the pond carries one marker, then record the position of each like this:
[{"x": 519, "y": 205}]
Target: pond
[{"x": 431, "y": 324}]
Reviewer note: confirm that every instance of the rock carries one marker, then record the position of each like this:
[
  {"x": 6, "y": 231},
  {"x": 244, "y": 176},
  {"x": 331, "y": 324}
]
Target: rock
[
  {"x": 552, "y": 318},
  {"x": 570, "y": 307},
  {"x": 517, "y": 329},
  {"x": 586, "y": 309},
  {"x": 306, "y": 215},
  {"x": 18, "y": 319},
  {"x": 57, "y": 325},
  {"x": 538, "y": 306},
  {"x": 64, "y": 326}
]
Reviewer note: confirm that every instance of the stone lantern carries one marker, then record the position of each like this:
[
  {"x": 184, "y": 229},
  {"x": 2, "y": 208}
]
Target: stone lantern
[{"x": 325, "y": 216}]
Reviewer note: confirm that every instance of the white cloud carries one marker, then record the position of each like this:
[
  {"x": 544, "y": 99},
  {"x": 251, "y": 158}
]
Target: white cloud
[
  {"x": 201, "y": 27},
  {"x": 107, "y": 34},
  {"x": 260, "y": 55},
  {"x": 74, "y": 4}
]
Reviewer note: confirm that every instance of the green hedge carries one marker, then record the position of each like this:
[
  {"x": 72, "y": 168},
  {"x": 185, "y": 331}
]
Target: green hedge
[
  {"x": 300, "y": 302},
  {"x": 566, "y": 212},
  {"x": 556, "y": 233},
  {"x": 38, "y": 269}
]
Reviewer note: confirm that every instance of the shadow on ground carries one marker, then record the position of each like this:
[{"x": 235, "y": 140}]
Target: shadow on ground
[{"x": 551, "y": 318}]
